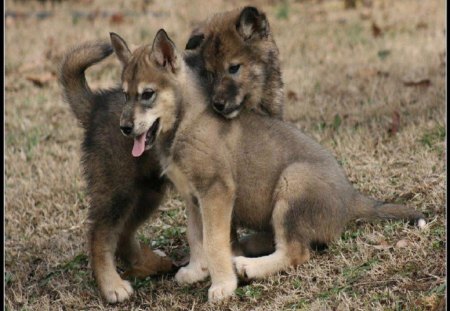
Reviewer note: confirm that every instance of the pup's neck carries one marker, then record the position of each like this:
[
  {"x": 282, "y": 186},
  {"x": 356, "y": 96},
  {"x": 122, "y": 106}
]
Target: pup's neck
[{"x": 190, "y": 103}]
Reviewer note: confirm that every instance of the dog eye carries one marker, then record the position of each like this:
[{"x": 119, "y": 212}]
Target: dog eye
[
  {"x": 234, "y": 68},
  {"x": 148, "y": 94}
]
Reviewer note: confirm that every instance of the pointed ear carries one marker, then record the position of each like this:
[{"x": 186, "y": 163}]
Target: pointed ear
[
  {"x": 196, "y": 38},
  {"x": 120, "y": 48},
  {"x": 252, "y": 24},
  {"x": 164, "y": 51},
  {"x": 194, "y": 41}
]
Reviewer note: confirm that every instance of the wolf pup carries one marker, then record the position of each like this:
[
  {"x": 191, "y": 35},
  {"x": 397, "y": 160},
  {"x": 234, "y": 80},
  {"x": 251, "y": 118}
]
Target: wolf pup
[
  {"x": 243, "y": 73},
  {"x": 243, "y": 62},
  {"x": 302, "y": 195},
  {"x": 123, "y": 190}
]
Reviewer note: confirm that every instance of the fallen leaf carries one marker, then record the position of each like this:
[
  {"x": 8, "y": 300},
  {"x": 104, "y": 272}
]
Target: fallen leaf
[
  {"x": 441, "y": 306},
  {"x": 291, "y": 95},
  {"x": 402, "y": 243},
  {"x": 41, "y": 80},
  {"x": 349, "y": 4},
  {"x": 117, "y": 18},
  {"x": 376, "y": 30},
  {"x": 383, "y": 74},
  {"x": 395, "y": 124},
  {"x": 422, "y": 25},
  {"x": 422, "y": 83},
  {"x": 382, "y": 244}
]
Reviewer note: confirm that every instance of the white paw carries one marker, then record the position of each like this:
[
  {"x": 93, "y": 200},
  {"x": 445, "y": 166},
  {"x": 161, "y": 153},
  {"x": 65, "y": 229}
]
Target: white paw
[
  {"x": 220, "y": 291},
  {"x": 245, "y": 267},
  {"x": 421, "y": 223},
  {"x": 118, "y": 291},
  {"x": 191, "y": 274}
]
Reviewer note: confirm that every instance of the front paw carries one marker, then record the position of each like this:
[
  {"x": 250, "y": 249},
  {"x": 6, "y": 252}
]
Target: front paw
[
  {"x": 117, "y": 290},
  {"x": 191, "y": 274},
  {"x": 222, "y": 290}
]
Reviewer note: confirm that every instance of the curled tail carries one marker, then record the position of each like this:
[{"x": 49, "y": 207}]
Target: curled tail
[
  {"x": 370, "y": 209},
  {"x": 73, "y": 81}
]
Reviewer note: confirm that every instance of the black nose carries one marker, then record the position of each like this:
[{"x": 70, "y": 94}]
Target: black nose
[
  {"x": 126, "y": 130},
  {"x": 219, "y": 105}
]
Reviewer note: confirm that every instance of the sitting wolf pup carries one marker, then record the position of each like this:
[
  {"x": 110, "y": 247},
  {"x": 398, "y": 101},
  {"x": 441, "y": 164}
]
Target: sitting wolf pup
[{"x": 260, "y": 170}]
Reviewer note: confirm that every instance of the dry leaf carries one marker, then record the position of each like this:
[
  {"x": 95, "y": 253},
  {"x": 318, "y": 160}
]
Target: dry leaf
[
  {"x": 291, "y": 95},
  {"x": 381, "y": 247},
  {"x": 422, "y": 83},
  {"x": 422, "y": 25},
  {"x": 117, "y": 18},
  {"x": 383, "y": 74},
  {"x": 402, "y": 243},
  {"x": 376, "y": 30},
  {"x": 395, "y": 124},
  {"x": 41, "y": 80},
  {"x": 350, "y": 4}
]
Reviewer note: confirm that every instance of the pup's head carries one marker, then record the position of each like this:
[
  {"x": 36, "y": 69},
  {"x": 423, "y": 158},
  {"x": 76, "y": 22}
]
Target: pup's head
[
  {"x": 241, "y": 58},
  {"x": 150, "y": 87}
]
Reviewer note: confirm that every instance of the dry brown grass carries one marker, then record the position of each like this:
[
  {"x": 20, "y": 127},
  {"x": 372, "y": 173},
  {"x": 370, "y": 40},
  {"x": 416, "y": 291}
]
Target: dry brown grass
[{"x": 344, "y": 87}]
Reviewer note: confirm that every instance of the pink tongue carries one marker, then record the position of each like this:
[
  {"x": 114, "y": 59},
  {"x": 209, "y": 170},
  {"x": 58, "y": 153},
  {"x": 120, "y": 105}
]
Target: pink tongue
[{"x": 139, "y": 146}]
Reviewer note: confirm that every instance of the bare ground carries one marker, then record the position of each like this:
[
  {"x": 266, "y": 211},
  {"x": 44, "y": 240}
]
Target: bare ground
[{"x": 368, "y": 83}]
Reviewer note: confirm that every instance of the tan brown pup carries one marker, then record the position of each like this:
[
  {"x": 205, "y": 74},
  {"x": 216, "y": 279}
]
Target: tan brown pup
[
  {"x": 242, "y": 62},
  {"x": 123, "y": 190},
  {"x": 262, "y": 172}
]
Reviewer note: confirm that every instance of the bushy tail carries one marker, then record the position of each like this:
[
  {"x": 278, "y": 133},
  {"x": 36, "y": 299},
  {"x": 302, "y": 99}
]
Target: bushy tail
[
  {"x": 370, "y": 209},
  {"x": 73, "y": 81}
]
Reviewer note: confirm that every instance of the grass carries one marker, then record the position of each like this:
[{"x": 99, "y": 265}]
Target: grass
[{"x": 343, "y": 87}]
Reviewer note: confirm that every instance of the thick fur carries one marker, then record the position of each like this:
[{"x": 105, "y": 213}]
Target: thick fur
[
  {"x": 123, "y": 191},
  {"x": 263, "y": 173},
  {"x": 242, "y": 38}
]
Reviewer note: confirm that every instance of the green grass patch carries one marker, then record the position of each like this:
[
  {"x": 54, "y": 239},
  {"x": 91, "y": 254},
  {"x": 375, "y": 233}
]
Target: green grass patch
[
  {"x": 168, "y": 236},
  {"x": 352, "y": 274},
  {"x": 283, "y": 10},
  {"x": 77, "y": 264},
  {"x": 438, "y": 290},
  {"x": 141, "y": 283},
  {"x": 383, "y": 54},
  {"x": 301, "y": 304},
  {"x": 249, "y": 291},
  {"x": 8, "y": 278},
  {"x": 350, "y": 235},
  {"x": 431, "y": 139}
]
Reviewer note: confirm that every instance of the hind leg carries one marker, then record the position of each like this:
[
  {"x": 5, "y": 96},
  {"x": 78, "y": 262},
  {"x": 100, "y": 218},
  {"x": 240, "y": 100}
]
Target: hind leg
[
  {"x": 103, "y": 243},
  {"x": 306, "y": 209},
  {"x": 287, "y": 253},
  {"x": 140, "y": 258},
  {"x": 254, "y": 245}
]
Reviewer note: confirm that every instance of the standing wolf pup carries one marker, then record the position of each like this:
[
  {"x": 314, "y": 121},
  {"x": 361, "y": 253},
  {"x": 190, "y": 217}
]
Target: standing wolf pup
[
  {"x": 304, "y": 195},
  {"x": 123, "y": 191}
]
